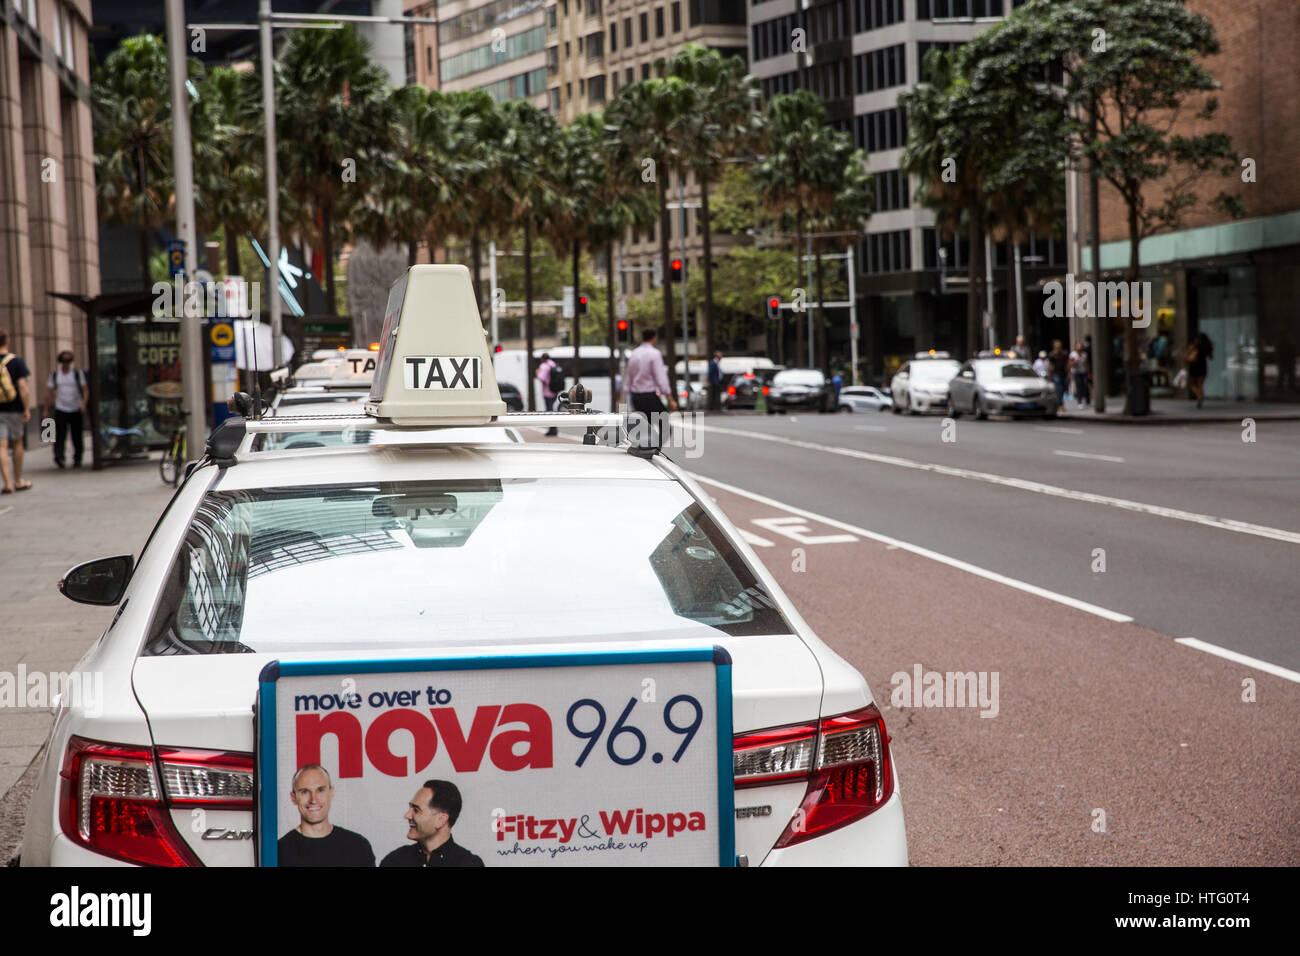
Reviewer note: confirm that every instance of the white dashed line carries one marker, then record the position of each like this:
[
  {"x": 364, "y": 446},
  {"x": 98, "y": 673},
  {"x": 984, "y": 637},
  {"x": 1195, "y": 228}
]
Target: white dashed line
[
  {"x": 1226, "y": 654},
  {"x": 925, "y": 553},
  {"x": 1021, "y": 484},
  {"x": 1084, "y": 454}
]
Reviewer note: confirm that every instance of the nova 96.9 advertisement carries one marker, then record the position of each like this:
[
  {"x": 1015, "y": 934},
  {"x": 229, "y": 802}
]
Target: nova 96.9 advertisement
[{"x": 596, "y": 759}]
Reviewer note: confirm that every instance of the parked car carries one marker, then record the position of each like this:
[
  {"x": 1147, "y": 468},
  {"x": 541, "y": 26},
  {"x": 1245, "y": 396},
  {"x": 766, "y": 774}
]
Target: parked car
[
  {"x": 921, "y": 385},
  {"x": 863, "y": 398},
  {"x": 1001, "y": 386}
]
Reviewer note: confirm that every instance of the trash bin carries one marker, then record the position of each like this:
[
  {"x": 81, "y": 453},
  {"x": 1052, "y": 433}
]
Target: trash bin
[{"x": 1139, "y": 393}]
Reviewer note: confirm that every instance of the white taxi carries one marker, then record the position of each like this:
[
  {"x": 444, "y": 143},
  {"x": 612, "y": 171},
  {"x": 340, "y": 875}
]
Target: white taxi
[{"x": 328, "y": 554}]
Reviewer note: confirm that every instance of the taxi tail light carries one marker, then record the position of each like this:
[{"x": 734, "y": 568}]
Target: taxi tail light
[
  {"x": 765, "y": 389},
  {"x": 845, "y": 760},
  {"x": 731, "y": 390},
  {"x": 114, "y": 800}
]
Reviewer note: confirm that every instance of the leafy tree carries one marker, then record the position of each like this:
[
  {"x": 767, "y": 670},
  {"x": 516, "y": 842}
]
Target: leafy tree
[
  {"x": 131, "y": 108},
  {"x": 1134, "y": 65}
]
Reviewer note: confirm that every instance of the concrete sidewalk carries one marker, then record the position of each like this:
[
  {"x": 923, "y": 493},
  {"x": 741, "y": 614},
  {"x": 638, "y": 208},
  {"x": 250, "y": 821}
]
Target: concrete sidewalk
[
  {"x": 66, "y": 518},
  {"x": 1180, "y": 411}
]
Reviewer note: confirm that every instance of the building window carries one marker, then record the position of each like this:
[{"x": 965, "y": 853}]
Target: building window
[
  {"x": 645, "y": 71},
  {"x": 566, "y": 49},
  {"x": 881, "y": 130},
  {"x": 596, "y": 89},
  {"x": 880, "y": 69},
  {"x": 596, "y": 46},
  {"x": 874, "y": 14},
  {"x": 627, "y": 76},
  {"x": 613, "y": 38},
  {"x": 566, "y": 7},
  {"x": 554, "y": 103},
  {"x": 582, "y": 86},
  {"x": 891, "y": 190},
  {"x": 627, "y": 31},
  {"x": 659, "y": 21},
  {"x": 644, "y": 22},
  {"x": 568, "y": 95},
  {"x": 887, "y": 252},
  {"x": 428, "y": 63},
  {"x": 677, "y": 16},
  {"x": 593, "y": 8},
  {"x": 957, "y": 9}
]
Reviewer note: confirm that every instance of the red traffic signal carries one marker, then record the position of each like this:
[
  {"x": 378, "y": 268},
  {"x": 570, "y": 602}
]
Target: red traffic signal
[
  {"x": 499, "y": 348},
  {"x": 622, "y": 325},
  {"x": 675, "y": 271},
  {"x": 582, "y": 305},
  {"x": 773, "y": 307}
]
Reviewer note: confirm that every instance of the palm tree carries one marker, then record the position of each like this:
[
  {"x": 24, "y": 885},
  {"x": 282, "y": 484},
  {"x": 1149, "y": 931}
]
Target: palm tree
[
  {"x": 229, "y": 189},
  {"x": 580, "y": 168},
  {"x": 801, "y": 173},
  {"x": 331, "y": 107},
  {"x": 727, "y": 124},
  {"x": 477, "y": 131},
  {"x": 416, "y": 188},
  {"x": 652, "y": 120},
  {"x": 842, "y": 223},
  {"x": 617, "y": 204},
  {"x": 133, "y": 131},
  {"x": 531, "y": 138}
]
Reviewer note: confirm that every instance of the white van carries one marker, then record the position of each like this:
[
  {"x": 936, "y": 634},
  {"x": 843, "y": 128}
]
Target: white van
[{"x": 511, "y": 366}]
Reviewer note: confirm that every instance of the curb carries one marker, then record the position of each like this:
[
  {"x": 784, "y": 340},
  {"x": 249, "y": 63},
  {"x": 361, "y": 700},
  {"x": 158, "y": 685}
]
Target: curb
[{"x": 1216, "y": 419}]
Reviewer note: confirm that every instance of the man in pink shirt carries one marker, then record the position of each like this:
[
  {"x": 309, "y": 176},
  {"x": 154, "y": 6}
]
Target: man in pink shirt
[{"x": 647, "y": 379}]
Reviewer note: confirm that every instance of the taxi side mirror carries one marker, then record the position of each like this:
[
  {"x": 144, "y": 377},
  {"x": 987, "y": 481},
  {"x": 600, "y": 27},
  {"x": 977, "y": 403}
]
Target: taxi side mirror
[{"x": 102, "y": 581}]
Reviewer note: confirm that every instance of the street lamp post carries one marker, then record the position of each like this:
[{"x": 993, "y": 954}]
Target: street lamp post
[{"x": 183, "y": 164}]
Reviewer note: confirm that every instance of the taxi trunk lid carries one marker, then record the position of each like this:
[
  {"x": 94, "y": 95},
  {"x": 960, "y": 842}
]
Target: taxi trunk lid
[{"x": 204, "y": 703}]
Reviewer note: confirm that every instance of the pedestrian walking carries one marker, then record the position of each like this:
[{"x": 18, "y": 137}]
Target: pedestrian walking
[
  {"x": 67, "y": 392},
  {"x": 647, "y": 382},
  {"x": 15, "y": 413},
  {"x": 837, "y": 382},
  {"x": 1021, "y": 348},
  {"x": 715, "y": 382},
  {"x": 1059, "y": 361},
  {"x": 1040, "y": 364},
  {"x": 1199, "y": 354},
  {"x": 1079, "y": 373},
  {"x": 551, "y": 376}
]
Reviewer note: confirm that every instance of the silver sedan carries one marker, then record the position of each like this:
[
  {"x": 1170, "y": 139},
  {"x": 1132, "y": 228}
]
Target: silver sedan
[
  {"x": 863, "y": 398},
  {"x": 1001, "y": 386}
]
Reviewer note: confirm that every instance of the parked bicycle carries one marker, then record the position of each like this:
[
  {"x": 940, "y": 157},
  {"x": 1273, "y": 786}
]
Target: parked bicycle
[{"x": 173, "y": 461}]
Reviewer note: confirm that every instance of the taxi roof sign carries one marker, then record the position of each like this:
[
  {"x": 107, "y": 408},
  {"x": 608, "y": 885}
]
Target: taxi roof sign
[{"x": 434, "y": 366}]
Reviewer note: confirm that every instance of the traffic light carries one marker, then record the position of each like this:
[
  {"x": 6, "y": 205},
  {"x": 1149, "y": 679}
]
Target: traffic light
[
  {"x": 622, "y": 329},
  {"x": 675, "y": 270},
  {"x": 498, "y": 348},
  {"x": 773, "y": 304},
  {"x": 582, "y": 305}
]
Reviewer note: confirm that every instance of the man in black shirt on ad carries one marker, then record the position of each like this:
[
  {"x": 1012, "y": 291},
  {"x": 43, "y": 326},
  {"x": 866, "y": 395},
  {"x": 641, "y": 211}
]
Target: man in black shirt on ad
[
  {"x": 431, "y": 814},
  {"x": 315, "y": 841}
]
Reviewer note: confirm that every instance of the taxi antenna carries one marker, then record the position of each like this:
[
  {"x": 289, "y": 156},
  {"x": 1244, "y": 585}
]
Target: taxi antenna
[{"x": 257, "y": 384}]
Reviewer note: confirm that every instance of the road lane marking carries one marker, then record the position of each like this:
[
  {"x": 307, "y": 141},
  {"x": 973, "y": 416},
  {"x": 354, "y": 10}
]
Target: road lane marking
[
  {"x": 1084, "y": 454},
  {"x": 753, "y": 540},
  {"x": 796, "y": 529},
  {"x": 1226, "y": 654},
  {"x": 870, "y": 428},
  {"x": 1058, "y": 428},
  {"x": 1023, "y": 484},
  {"x": 925, "y": 553}
]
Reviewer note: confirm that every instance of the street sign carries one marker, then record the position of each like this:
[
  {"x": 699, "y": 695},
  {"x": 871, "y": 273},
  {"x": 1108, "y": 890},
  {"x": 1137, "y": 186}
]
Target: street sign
[
  {"x": 620, "y": 306},
  {"x": 176, "y": 257},
  {"x": 567, "y": 311}
]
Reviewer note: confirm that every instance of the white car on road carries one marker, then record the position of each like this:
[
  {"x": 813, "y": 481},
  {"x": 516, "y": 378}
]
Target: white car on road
[
  {"x": 864, "y": 398},
  {"x": 409, "y": 551},
  {"x": 921, "y": 385}
]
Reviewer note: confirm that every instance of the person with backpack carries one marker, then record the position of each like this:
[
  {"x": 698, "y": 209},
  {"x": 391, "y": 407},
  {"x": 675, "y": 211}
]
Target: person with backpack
[
  {"x": 1198, "y": 357},
  {"x": 551, "y": 376},
  {"x": 68, "y": 392},
  {"x": 15, "y": 413}
]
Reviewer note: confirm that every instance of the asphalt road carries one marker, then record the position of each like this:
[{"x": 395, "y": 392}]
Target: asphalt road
[
  {"x": 1105, "y": 743},
  {"x": 1198, "y": 530}
]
